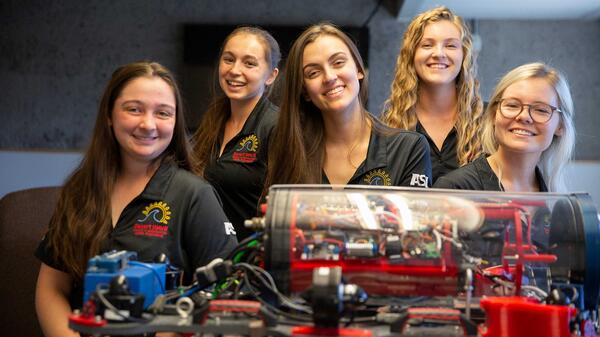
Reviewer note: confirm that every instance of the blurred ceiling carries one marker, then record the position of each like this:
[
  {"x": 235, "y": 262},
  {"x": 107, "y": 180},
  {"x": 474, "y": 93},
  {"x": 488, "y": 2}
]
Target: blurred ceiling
[{"x": 405, "y": 10}]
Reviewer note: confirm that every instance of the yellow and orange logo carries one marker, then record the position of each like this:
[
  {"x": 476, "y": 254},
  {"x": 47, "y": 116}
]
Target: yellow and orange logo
[
  {"x": 249, "y": 144},
  {"x": 158, "y": 211},
  {"x": 378, "y": 177}
]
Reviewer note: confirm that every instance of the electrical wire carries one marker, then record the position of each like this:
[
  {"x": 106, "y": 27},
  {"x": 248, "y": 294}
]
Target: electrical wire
[
  {"x": 243, "y": 245},
  {"x": 267, "y": 281},
  {"x": 272, "y": 308},
  {"x": 542, "y": 295},
  {"x": 161, "y": 300},
  {"x": 109, "y": 306}
]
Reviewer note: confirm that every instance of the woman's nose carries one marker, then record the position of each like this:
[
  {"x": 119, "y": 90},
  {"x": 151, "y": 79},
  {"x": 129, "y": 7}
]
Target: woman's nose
[{"x": 330, "y": 75}]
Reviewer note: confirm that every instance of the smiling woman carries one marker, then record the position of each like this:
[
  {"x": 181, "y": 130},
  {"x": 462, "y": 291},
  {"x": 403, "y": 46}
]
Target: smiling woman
[
  {"x": 439, "y": 55},
  {"x": 435, "y": 91},
  {"x": 325, "y": 135},
  {"x": 331, "y": 77},
  {"x": 135, "y": 166},
  {"x": 143, "y": 120},
  {"x": 232, "y": 141},
  {"x": 528, "y": 132}
]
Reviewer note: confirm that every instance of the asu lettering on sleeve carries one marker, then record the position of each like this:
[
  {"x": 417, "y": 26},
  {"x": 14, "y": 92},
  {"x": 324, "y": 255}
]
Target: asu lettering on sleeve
[
  {"x": 229, "y": 229},
  {"x": 419, "y": 180}
]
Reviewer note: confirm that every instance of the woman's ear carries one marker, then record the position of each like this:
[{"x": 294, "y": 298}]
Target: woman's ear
[
  {"x": 360, "y": 75},
  {"x": 560, "y": 130},
  {"x": 272, "y": 76}
]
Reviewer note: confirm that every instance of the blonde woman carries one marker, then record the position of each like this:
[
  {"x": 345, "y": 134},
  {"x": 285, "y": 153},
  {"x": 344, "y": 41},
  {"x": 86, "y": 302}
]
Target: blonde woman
[
  {"x": 435, "y": 92},
  {"x": 528, "y": 132}
]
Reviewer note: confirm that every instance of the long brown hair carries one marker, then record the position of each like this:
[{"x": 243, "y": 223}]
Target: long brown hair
[
  {"x": 82, "y": 218},
  {"x": 219, "y": 110},
  {"x": 399, "y": 111},
  {"x": 296, "y": 150}
]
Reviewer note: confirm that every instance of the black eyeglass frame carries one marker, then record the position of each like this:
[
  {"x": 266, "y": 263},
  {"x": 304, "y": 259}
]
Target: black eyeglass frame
[{"x": 523, "y": 105}]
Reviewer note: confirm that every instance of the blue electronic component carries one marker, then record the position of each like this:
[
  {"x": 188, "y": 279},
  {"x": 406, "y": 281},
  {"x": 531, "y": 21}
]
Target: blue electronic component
[{"x": 147, "y": 279}]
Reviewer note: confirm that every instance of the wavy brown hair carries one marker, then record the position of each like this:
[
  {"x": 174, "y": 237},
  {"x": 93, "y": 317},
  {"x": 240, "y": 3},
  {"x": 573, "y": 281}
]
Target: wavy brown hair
[
  {"x": 296, "y": 151},
  {"x": 82, "y": 219},
  {"x": 219, "y": 109},
  {"x": 399, "y": 109}
]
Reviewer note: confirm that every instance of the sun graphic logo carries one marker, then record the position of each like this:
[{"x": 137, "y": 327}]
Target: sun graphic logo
[
  {"x": 246, "y": 151},
  {"x": 249, "y": 144},
  {"x": 378, "y": 177},
  {"x": 159, "y": 212}
]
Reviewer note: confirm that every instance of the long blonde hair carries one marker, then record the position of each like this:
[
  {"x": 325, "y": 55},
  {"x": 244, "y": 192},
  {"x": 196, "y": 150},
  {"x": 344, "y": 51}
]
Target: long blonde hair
[
  {"x": 399, "y": 109},
  {"x": 554, "y": 159}
]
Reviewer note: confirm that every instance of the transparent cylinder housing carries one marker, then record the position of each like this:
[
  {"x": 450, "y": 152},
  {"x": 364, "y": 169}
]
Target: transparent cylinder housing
[{"x": 419, "y": 242}]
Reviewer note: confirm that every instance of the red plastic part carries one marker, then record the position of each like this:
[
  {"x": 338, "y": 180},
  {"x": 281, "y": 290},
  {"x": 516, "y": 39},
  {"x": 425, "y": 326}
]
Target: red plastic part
[
  {"x": 263, "y": 208},
  {"x": 520, "y": 317},
  {"x": 340, "y": 332},
  {"x": 86, "y": 320}
]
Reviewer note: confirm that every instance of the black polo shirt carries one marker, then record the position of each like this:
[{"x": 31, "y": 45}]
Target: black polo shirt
[
  {"x": 445, "y": 160},
  {"x": 239, "y": 173},
  {"x": 394, "y": 158},
  {"x": 478, "y": 175},
  {"x": 178, "y": 214}
]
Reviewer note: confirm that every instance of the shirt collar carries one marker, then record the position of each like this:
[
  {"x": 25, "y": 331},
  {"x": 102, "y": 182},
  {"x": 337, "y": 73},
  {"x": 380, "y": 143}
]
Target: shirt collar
[
  {"x": 540, "y": 179},
  {"x": 488, "y": 177},
  {"x": 450, "y": 138},
  {"x": 491, "y": 182},
  {"x": 157, "y": 186},
  {"x": 376, "y": 152},
  {"x": 253, "y": 121},
  {"x": 251, "y": 124}
]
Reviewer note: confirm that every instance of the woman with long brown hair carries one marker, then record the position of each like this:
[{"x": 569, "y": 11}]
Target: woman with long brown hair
[
  {"x": 435, "y": 90},
  {"x": 324, "y": 133},
  {"x": 131, "y": 192},
  {"x": 232, "y": 141}
]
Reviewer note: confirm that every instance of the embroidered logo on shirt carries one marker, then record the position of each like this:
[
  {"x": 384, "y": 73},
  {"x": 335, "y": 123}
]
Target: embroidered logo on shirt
[
  {"x": 378, "y": 177},
  {"x": 419, "y": 180},
  {"x": 155, "y": 222},
  {"x": 246, "y": 150},
  {"x": 229, "y": 229}
]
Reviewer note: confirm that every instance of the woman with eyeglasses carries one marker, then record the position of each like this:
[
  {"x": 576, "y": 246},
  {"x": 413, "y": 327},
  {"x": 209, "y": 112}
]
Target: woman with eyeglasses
[{"x": 528, "y": 132}]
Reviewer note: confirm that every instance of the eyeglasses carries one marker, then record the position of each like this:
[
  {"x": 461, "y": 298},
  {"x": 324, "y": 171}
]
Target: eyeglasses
[{"x": 539, "y": 112}]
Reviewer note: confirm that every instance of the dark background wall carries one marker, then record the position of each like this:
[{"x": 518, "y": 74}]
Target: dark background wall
[{"x": 56, "y": 56}]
